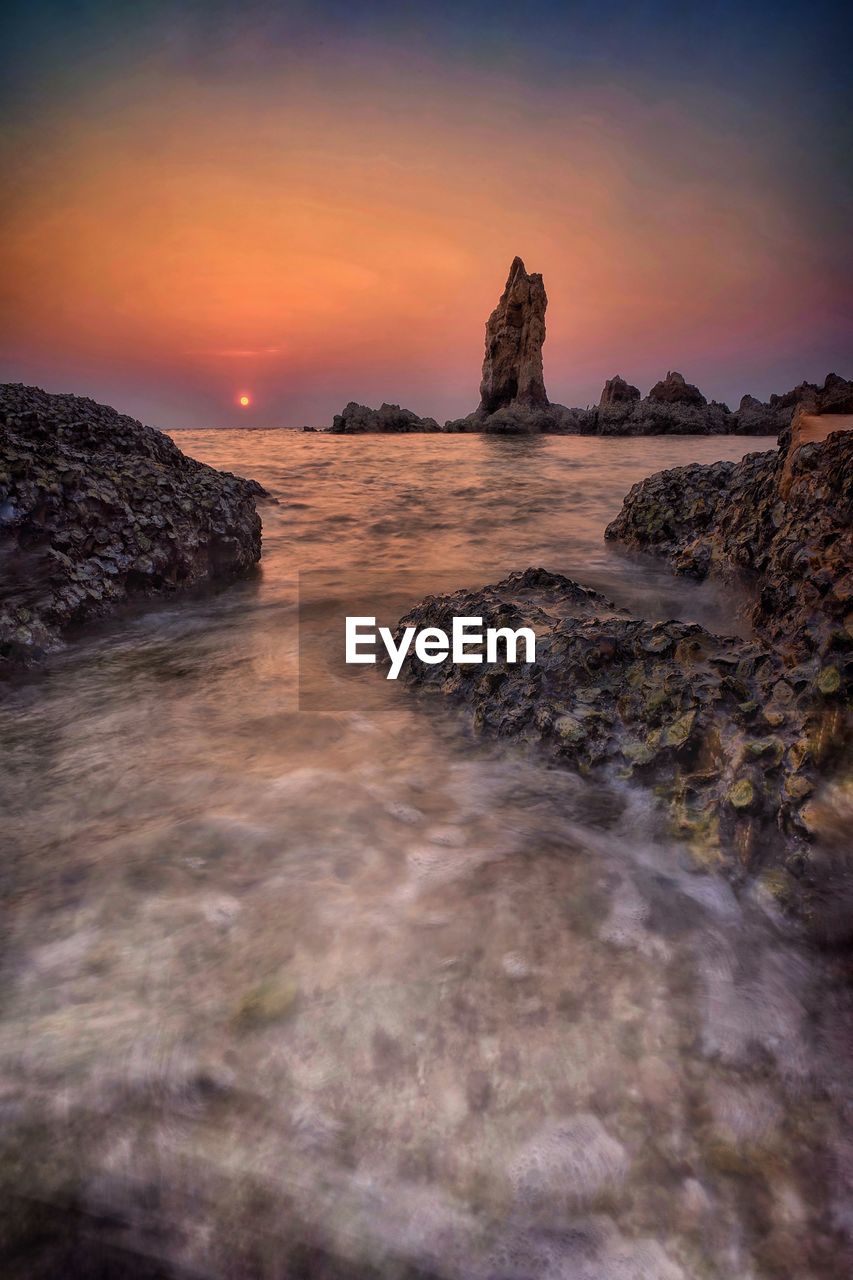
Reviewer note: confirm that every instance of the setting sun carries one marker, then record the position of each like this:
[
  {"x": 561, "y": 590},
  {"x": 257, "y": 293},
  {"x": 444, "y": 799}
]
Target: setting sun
[{"x": 244, "y": 401}]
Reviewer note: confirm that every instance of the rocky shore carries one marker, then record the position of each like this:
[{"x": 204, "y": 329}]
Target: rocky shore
[
  {"x": 740, "y": 741},
  {"x": 781, "y": 521},
  {"x": 97, "y": 510},
  {"x": 513, "y": 399}
]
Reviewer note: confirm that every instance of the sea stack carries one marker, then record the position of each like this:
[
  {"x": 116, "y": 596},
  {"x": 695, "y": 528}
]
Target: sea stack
[{"x": 515, "y": 332}]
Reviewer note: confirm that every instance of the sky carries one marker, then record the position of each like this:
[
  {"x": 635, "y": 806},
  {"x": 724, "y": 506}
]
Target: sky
[{"x": 306, "y": 204}]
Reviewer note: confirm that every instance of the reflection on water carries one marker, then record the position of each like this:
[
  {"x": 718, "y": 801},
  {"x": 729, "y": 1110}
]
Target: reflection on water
[{"x": 351, "y": 994}]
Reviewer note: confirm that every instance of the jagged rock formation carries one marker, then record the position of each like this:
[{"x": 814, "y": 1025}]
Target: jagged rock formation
[
  {"x": 515, "y": 332},
  {"x": 673, "y": 389},
  {"x": 755, "y": 417},
  {"x": 358, "y": 418},
  {"x": 677, "y": 407},
  {"x": 97, "y": 509},
  {"x": 782, "y": 520},
  {"x": 513, "y": 399},
  {"x": 618, "y": 392},
  {"x": 672, "y": 407}
]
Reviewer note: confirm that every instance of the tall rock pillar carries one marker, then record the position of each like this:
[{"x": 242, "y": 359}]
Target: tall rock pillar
[{"x": 515, "y": 331}]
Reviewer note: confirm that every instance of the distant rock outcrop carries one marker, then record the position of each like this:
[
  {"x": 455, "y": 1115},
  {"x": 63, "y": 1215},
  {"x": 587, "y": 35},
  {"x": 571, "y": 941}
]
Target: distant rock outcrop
[
  {"x": 672, "y": 407},
  {"x": 618, "y": 392},
  {"x": 96, "y": 510},
  {"x": 356, "y": 419},
  {"x": 513, "y": 400},
  {"x": 515, "y": 419},
  {"x": 673, "y": 389},
  {"x": 757, "y": 417}
]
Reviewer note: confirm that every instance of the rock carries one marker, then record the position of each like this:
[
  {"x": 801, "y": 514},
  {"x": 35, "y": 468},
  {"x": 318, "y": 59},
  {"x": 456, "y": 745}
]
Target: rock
[
  {"x": 358, "y": 419},
  {"x": 662, "y": 703},
  {"x": 674, "y": 390},
  {"x": 513, "y": 400},
  {"x": 618, "y": 391},
  {"x": 515, "y": 332},
  {"x": 807, "y": 428},
  {"x": 742, "y": 794},
  {"x": 755, "y": 417},
  {"x": 836, "y": 395},
  {"x": 829, "y": 680},
  {"x": 573, "y": 1158},
  {"x": 781, "y": 522},
  {"x": 97, "y": 509},
  {"x": 652, "y": 416},
  {"x": 550, "y": 419},
  {"x": 674, "y": 406}
]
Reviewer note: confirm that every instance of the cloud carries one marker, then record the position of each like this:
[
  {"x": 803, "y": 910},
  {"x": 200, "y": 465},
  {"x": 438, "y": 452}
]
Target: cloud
[{"x": 235, "y": 353}]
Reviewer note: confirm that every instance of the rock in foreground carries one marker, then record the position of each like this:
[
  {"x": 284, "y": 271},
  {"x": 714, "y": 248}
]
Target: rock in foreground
[
  {"x": 97, "y": 509},
  {"x": 731, "y": 739}
]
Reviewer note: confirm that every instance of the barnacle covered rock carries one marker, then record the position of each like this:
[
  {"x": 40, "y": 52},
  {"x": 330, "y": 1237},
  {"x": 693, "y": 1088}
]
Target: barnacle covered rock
[{"x": 96, "y": 509}]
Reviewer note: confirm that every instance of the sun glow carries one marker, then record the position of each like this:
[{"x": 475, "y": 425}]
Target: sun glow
[{"x": 244, "y": 401}]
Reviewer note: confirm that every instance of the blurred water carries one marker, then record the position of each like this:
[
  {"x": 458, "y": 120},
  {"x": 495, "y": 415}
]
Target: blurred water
[{"x": 352, "y": 993}]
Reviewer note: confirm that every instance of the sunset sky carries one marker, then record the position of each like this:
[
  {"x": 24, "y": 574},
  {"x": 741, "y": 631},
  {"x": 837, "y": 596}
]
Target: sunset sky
[{"x": 306, "y": 204}]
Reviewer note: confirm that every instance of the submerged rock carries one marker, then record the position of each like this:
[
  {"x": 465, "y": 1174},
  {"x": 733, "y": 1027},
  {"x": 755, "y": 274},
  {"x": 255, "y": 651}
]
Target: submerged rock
[{"x": 97, "y": 509}]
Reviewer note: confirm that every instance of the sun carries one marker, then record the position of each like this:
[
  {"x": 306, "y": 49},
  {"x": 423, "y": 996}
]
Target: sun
[{"x": 244, "y": 400}]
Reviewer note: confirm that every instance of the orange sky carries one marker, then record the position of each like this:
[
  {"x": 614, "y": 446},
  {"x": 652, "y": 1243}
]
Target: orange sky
[{"x": 342, "y": 233}]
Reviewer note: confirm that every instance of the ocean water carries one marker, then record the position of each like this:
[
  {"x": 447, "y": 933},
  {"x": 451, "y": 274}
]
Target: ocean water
[{"x": 351, "y": 992}]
